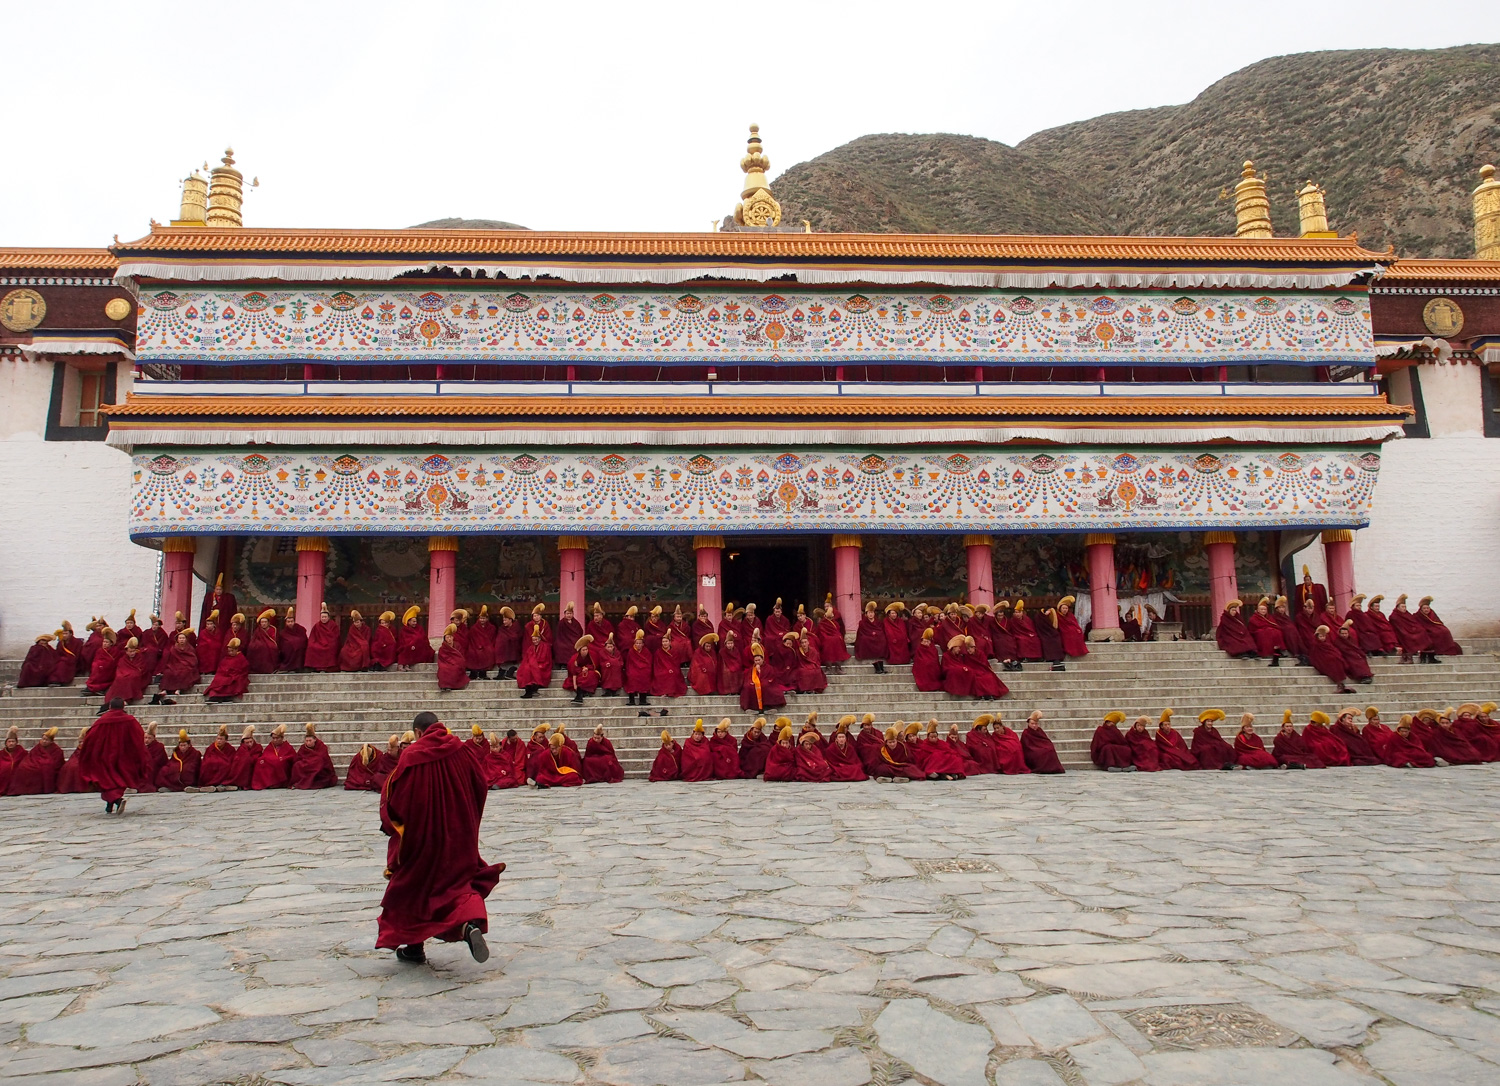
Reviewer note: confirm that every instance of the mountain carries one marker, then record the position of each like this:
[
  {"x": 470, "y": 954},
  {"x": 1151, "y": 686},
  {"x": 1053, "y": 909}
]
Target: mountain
[
  {"x": 467, "y": 224},
  {"x": 1395, "y": 136}
]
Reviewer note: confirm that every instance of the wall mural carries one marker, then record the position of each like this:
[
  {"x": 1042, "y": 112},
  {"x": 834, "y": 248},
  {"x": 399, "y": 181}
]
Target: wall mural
[
  {"x": 477, "y": 490},
  {"x": 384, "y": 325}
]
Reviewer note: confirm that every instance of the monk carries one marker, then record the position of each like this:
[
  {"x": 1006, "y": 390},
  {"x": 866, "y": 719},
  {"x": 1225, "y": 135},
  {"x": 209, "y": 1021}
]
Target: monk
[
  {"x": 1311, "y": 592},
  {"x": 40, "y": 663},
  {"x": 156, "y": 757},
  {"x": 1358, "y": 747},
  {"x": 216, "y": 770},
  {"x": 927, "y": 665},
  {"x": 697, "y": 756},
  {"x": 264, "y": 648},
  {"x": 897, "y": 633},
  {"x": 451, "y": 672},
  {"x": 1389, "y": 642},
  {"x": 131, "y": 674},
  {"x": 180, "y": 772},
  {"x": 312, "y": 766},
  {"x": 583, "y": 670},
  {"x": 323, "y": 643},
  {"x": 1412, "y": 633},
  {"x": 897, "y": 760},
  {"x": 36, "y": 773},
  {"x": 360, "y": 776},
  {"x": 600, "y": 765},
  {"x": 1439, "y": 640},
  {"x": 811, "y": 767},
  {"x": 1006, "y": 747},
  {"x": 754, "y": 747},
  {"x": 1250, "y": 748},
  {"x": 828, "y": 632},
  {"x": 246, "y": 758},
  {"x": 232, "y": 679},
  {"x": 91, "y": 644},
  {"x": 1356, "y": 667},
  {"x": 781, "y": 762},
  {"x": 1323, "y": 652},
  {"x": 1375, "y": 732},
  {"x": 1143, "y": 750},
  {"x": 274, "y": 767},
  {"x": 703, "y": 671},
  {"x": 1405, "y": 751},
  {"x": 113, "y": 755},
  {"x": 412, "y": 646},
  {"x": 180, "y": 667},
  {"x": 1307, "y": 623},
  {"x": 1073, "y": 643},
  {"x": 668, "y": 763},
  {"x": 70, "y": 778},
  {"x": 1291, "y": 637},
  {"x": 599, "y": 627},
  {"x": 870, "y": 638},
  {"x": 937, "y": 759},
  {"x": 1023, "y": 629},
  {"x": 505, "y": 766},
  {"x": 294, "y": 641},
  {"x": 566, "y": 635},
  {"x": 1233, "y": 635},
  {"x": 217, "y": 600},
  {"x": 666, "y": 672},
  {"x": 105, "y": 664},
  {"x": 210, "y": 645},
  {"x": 1208, "y": 745},
  {"x": 154, "y": 642},
  {"x": 638, "y": 667},
  {"x": 1266, "y": 632},
  {"x": 682, "y": 637},
  {"x": 980, "y": 748},
  {"x": 757, "y": 693},
  {"x": 1290, "y": 750},
  {"x": 844, "y": 762},
  {"x": 355, "y": 654},
  {"x": 1364, "y": 628},
  {"x": 1171, "y": 749},
  {"x": 1036, "y": 745},
  {"x": 1109, "y": 749},
  {"x": 1448, "y": 745},
  {"x": 1324, "y": 745},
  {"x": 725, "y": 752},
  {"x": 535, "y": 670},
  {"x": 1472, "y": 725}
]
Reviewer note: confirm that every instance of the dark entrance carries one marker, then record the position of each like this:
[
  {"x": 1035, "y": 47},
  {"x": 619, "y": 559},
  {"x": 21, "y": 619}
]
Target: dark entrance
[{"x": 759, "y": 573}]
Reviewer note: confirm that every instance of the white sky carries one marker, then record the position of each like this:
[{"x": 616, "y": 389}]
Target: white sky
[{"x": 577, "y": 115}]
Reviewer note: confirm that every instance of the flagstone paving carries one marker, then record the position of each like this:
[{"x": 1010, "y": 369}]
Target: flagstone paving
[{"x": 1337, "y": 928}]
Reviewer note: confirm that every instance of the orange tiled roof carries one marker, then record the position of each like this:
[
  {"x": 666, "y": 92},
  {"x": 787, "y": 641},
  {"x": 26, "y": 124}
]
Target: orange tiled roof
[
  {"x": 639, "y": 408},
  {"x": 985, "y": 248},
  {"x": 68, "y": 260},
  {"x": 1445, "y": 270}
]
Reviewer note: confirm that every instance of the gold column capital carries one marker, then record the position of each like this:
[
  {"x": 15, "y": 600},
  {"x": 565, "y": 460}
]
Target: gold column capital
[
  {"x": 1217, "y": 537},
  {"x": 313, "y": 543},
  {"x": 1338, "y": 535},
  {"x": 180, "y": 544},
  {"x": 847, "y": 541},
  {"x": 572, "y": 543},
  {"x": 1099, "y": 537},
  {"x": 979, "y": 541},
  {"x": 441, "y": 543},
  {"x": 708, "y": 542}
]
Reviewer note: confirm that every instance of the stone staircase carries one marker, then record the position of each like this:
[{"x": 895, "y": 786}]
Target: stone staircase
[{"x": 1134, "y": 678}]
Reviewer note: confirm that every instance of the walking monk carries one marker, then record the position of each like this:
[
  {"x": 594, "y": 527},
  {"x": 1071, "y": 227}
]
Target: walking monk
[
  {"x": 113, "y": 757},
  {"x": 430, "y": 809}
]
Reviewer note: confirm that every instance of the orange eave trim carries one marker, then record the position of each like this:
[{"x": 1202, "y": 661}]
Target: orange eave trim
[
  {"x": 1444, "y": 270},
  {"x": 63, "y": 260}
]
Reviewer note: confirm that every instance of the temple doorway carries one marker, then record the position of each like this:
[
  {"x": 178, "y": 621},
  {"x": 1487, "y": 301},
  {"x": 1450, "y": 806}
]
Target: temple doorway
[{"x": 760, "y": 572}]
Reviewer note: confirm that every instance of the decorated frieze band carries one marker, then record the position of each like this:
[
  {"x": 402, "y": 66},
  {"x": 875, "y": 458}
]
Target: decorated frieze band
[
  {"x": 236, "y": 326},
  {"x": 1084, "y": 489}
]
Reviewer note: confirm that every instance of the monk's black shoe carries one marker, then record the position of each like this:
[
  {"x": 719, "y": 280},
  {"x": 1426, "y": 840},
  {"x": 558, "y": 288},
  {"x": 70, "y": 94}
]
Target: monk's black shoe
[
  {"x": 880, "y": 667},
  {"x": 413, "y": 954},
  {"x": 477, "y": 946}
]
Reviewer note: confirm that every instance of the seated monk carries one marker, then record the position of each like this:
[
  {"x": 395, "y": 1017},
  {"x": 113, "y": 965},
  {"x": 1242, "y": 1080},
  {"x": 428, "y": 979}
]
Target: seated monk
[
  {"x": 180, "y": 773},
  {"x": 1290, "y": 750},
  {"x": 1378, "y": 621},
  {"x": 1484, "y": 740},
  {"x": 981, "y": 746},
  {"x": 1109, "y": 749},
  {"x": 896, "y": 760},
  {"x": 731, "y": 665},
  {"x": 549, "y": 768},
  {"x": 1249, "y": 748},
  {"x": 1324, "y": 655},
  {"x": 1209, "y": 746},
  {"x": 1404, "y": 750},
  {"x": 452, "y": 664},
  {"x": 355, "y": 654},
  {"x": 781, "y": 761},
  {"x": 755, "y": 745},
  {"x": 104, "y": 664},
  {"x": 477, "y": 745},
  {"x": 1073, "y": 642},
  {"x": 156, "y": 757},
  {"x": 505, "y": 765},
  {"x": 957, "y": 680},
  {"x": 263, "y": 650},
  {"x": 1346, "y": 732},
  {"x": 666, "y": 672},
  {"x": 1356, "y": 666},
  {"x": 1375, "y": 732},
  {"x": 246, "y": 757},
  {"x": 697, "y": 756},
  {"x": 668, "y": 763},
  {"x": 1171, "y": 749},
  {"x": 1036, "y": 745},
  {"x": 232, "y": 680},
  {"x": 1327, "y": 748},
  {"x": 274, "y": 767},
  {"x": 132, "y": 674},
  {"x": 1267, "y": 632},
  {"x": 1143, "y": 753},
  {"x": 869, "y": 637},
  {"x": 412, "y": 645},
  {"x": 69, "y": 778},
  {"x": 811, "y": 726},
  {"x": 1439, "y": 639},
  {"x": 955, "y": 741},
  {"x": 600, "y": 766},
  {"x": 11, "y": 758},
  {"x": 583, "y": 670},
  {"x": 535, "y": 669},
  {"x": 703, "y": 671},
  {"x": 927, "y": 665},
  {"x": 726, "y": 753},
  {"x": 312, "y": 766},
  {"x": 36, "y": 773},
  {"x": 570, "y": 754},
  {"x": 323, "y": 642},
  {"x": 807, "y": 676},
  {"x": 1450, "y": 747},
  {"x": 179, "y": 665},
  {"x": 938, "y": 760},
  {"x": 1423, "y": 724},
  {"x": 867, "y": 743},
  {"x": 842, "y": 756},
  {"x": 1233, "y": 635},
  {"x": 385, "y": 642},
  {"x": 360, "y": 777},
  {"x": 810, "y": 765},
  {"x": 40, "y": 663},
  {"x": 759, "y": 693},
  {"x": 1010, "y": 749}
]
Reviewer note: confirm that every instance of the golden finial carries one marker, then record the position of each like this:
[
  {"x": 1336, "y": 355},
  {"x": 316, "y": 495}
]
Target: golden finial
[
  {"x": 1313, "y": 212},
  {"x": 226, "y": 193},
  {"x": 1487, "y": 215},
  {"x": 757, "y": 207},
  {"x": 1252, "y": 211},
  {"x": 194, "y": 209}
]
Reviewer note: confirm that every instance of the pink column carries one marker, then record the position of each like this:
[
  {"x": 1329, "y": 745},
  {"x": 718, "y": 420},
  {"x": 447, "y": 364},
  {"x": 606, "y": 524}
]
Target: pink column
[
  {"x": 442, "y": 589},
  {"x": 312, "y": 565},
  {"x": 981, "y": 550},
  {"x": 1223, "y": 584},
  {"x": 1338, "y": 556},
  {"x": 177, "y": 578},
  {"x": 1099, "y": 552},
  {"x": 709, "y": 550},
  {"x": 571, "y": 552},
  {"x": 846, "y": 590}
]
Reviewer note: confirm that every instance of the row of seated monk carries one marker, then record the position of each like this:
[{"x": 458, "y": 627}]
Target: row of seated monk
[{"x": 1463, "y": 736}]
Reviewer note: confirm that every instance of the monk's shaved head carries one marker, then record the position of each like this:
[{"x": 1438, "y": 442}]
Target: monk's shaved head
[{"x": 423, "y": 721}]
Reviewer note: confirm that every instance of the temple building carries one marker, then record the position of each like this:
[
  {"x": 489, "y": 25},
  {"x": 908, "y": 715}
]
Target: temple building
[{"x": 441, "y": 416}]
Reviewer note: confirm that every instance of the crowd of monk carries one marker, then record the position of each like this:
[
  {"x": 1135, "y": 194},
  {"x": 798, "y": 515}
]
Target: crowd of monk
[
  {"x": 1313, "y": 632},
  {"x": 1463, "y": 736}
]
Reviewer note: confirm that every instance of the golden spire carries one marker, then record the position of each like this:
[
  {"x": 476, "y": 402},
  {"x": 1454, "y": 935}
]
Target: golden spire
[
  {"x": 757, "y": 207},
  {"x": 1487, "y": 215},
  {"x": 194, "y": 200},
  {"x": 226, "y": 193},
  {"x": 1313, "y": 212},
  {"x": 1252, "y": 211}
]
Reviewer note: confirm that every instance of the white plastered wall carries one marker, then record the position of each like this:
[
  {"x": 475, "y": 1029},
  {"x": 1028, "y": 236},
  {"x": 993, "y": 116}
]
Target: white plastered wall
[{"x": 65, "y": 551}]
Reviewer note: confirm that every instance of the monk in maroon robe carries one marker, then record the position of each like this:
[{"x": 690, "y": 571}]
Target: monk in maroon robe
[
  {"x": 70, "y": 777},
  {"x": 703, "y": 671},
  {"x": 1364, "y": 628},
  {"x": 12, "y": 757},
  {"x": 179, "y": 668},
  {"x": 1266, "y": 632},
  {"x": 755, "y": 745},
  {"x": 565, "y": 635},
  {"x": 264, "y": 649},
  {"x": 726, "y": 755},
  {"x": 479, "y": 648},
  {"x": 505, "y": 767},
  {"x": 1375, "y": 731},
  {"x": 1250, "y": 748},
  {"x": 897, "y": 761},
  {"x": 897, "y": 633},
  {"x": 113, "y": 756},
  {"x": 844, "y": 763},
  {"x": 1411, "y": 633},
  {"x": 1208, "y": 745},
  {"x": 1323, "y": 652},
  {"x": 583, "y": 671},
  {"x": 1291, "y": 637},
  {"x": 217, "y": 768},
  {"x": 759, "y": 693},
  {"x": 808, "y": 677},
  {"x": 40, "y": 663},
  {"x": 354, "y": 655},
  {"x": 154, "y": 642},
  {"x": 697, "y": 756},
  {"x": 927, "y": 665},
  {"x": 781, "y": 761},
  {"x": 638, "y": 664},
  {"x": 1474, "y": 724},
  {"x": 1310, "y": 591},
  {"x": 1347, "y": 732},
  {"x": 1439, "y": 640},
  {"x": 412, "y": 646},
  {"x": 323, "y": 643},
  {"x": 611, "y": 667},
  {"x": 1307, "y": 623},
  {"x": 869, "y": 637},
  {"x": 1323, "y": 743},
  {"x": 868, "y": 742},
  {"x": 1356, "y": 667},
  {"x": 1036, "y": 746},
  {"x": 507, "y": 644},
  {"x": 274, "y": 767},
  {"x": 431, "y": 810},
  {"x": 1143, "y": 749},
  {"x": 131, "y": 674},
  {"x": 1023, "y": 629},
  {"x": 1171, "y": 749},
  {"x": 1389, "y": 642},
  {"x": 36, "y": 773},
  {"x": 600, "y": 765},
  {"x": 1232, "y": 634},
  {"x": 1291, "y": 750},
  {"x": 939, "y": 758},
  {"x": 1073, "y": 642},
  {"x": 535, "y": 670},
  {"x": 666, "y": 672},
  {"x": 232, "y": 679},
  {"x": 246, "y": 757},
  {"x": 293, "y": 640},
  {"x": 96, "y": 628},
  {"x": 1447, "y": 743},
  {"x": 668, "y": 763},
  {"x": 106, "y": 662},
  {"x": 156, "y": 757},
  {"x": 600, "y": 627},
  {"x": 682, "y": 637},
  {"x": 383, "y": 642},
  {"x": 217, "y": 600},
  {"x": 1109, "y": 749},
  {"x": 451, "y": 672},
  {"x": 830, "y": 638},
  {"x": 312, "y": 765},
  {"x": 1405, "y": 751},
  {"x": 731, "y": 667},
  {"x": 180, "y": 771},
  {"x": 811, "y": 767},
  {"x": 980, "y": 747},
  {"x": 360, "y": 776}
]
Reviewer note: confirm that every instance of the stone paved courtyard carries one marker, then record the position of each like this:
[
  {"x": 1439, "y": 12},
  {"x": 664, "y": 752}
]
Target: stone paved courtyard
[{"x": 1335, "y": 928}]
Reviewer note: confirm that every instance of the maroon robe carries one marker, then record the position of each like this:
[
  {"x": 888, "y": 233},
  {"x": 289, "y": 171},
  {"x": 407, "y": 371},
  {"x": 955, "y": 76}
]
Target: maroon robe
[
  {"x": 682, "y": 642},
  {"x": 754, "y": 747},
  {"x": 232, "y": 679},
  {"x": 568, "y": 633},
  {"x": 217, "y": 767},
  {"x": 1406, "y": 750},
  {"x": 781, "y": 762},
  {"x": 726, "y": 756},
  {"x": 102, "y": 670},
  {"x": 844, "y": 760},
  {"x": 323, "y": 645},
  {"x": 180, "y": 770},
  {"x": 829, "y": 636},
  {"x": 897, "y": 759},
  {"x": 210, "y": 650},
  {"x": 981, "y": 750},
  {"x": 1143, "y": 750},
  {"x": 294, "y": 641},
  {"x": 1411, "y": 631},
  {"x": 355, "y": 655},
  {"x": 937, "y": 758},
  {"x": 808, "y": 678},
  {"x": 758, "y": 693},
  {"x": 1307, "y": 629},
  {"x": 599, "y": 628},
  {"x": 113, "y": 754},
  {"x": 1389, "y": 642},
  {"x": 131, "y": 678},
  {"x": 600, "y": 765},
  {"x": 70, "y": 777},
  {"x": 506, "y": 767},
  {"x": 1439, "y": 639},
  {"x": 264, "y": 649},
  {"x": 1326, "y": 657},
  {"x": 1355, "y": 665},
  {"x": 1234, "y": 637},
  {"x": 360, "y": 777},
  {"x": 507, "y": 642},
  {"x": 957, "y": 681},
  {"x": 1012, "y": 757},
  {"x": 898, "y": 645},
  {"x": 697, "y": 759},
  {"x": 274, "y": 767},
  {"x": 1448, "y": 744},
  {"x": 1266, "y": 632},
  {"x": 37, "y": 668},
  {"x": 1172, "y": 751},
  {"x": 1291, "y": 636},
  {"x": 217, "y": 600},
  {"x": 1325, "y": 745},
  {"x": 536, "y": 665},
  {"x": 1365, "y": 631},
  {"x": 246, "y": 758},
  {"x": 91, "y": 646},
  {"x": 667, "y": 765},
  {"x": 1250, "y": 749},
  {"x": 666, "y": 675},
  {"x": 703, "y": 672},
  {"x": 312, "y": 766},
  {"x": 479, "y": 648},
  {"x": 36, "y": 773},
  {"x": 927, "y": 668},
  {"x": 384, "y": 646},
  {"x": 1073, "y": 643},
  {"x": 1002, "y": 643},
  {"x": 731, "y": 669},
  {"x": 1359, "y": 748},
  {"x": 412, "y": 646},
  {"x": 430, "y": 810},
  {"x": 551, "y": 767},
  {"x": 810, "y": 766},
  {"x": 179, "y": 669},
  {"x": 1377, "y": 735},
  {"x": 1210, "y": 748},
  {"x": 611, "y": 667},
  {"x": 153, "y": 643},
  {"x": 869, "y": 639},
  {"x": 1289, "y": 748},
  {"x": 638, "y": 669},
  {"x": 1109, "y": 749},
  {"x": 451, "y": 672},
  {"x": 1486, "y": 740},
  {"x": 1040, "y": 754},
  {"x": 583, "y": 673},
  {"x": 1028, "y": 642},
  {"x": 1313, "y": 591}
]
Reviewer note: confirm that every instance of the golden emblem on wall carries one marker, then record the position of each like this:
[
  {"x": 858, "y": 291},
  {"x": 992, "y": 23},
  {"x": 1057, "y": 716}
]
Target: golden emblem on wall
[
  {"x": 117, "y": 309},
  {"x": 1443, "y": 317},
  {"x": 22, "y": 310}
]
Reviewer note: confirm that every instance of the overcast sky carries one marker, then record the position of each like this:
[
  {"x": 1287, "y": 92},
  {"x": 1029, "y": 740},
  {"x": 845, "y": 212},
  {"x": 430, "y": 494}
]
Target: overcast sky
[{"x": 577, "y": 115}]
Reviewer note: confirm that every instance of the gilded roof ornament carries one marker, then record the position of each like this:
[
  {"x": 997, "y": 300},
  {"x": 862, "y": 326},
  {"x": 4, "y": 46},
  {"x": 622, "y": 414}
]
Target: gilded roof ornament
[
  {"x": 1487, "y": 215},
  {"x": 1312, "y": 210},
  {"x": 757, "y": 207},
  {"x": 1252, "y": 210}
]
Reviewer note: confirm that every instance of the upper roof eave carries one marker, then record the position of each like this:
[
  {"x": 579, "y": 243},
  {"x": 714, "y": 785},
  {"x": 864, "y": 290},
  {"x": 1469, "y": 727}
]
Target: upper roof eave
[
  {"x": 66, "y": 261},
  {"x": 1443, "y": 270}
]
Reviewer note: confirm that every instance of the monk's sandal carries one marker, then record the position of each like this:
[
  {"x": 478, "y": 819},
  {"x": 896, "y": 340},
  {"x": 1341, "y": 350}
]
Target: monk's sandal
[
  {"x": 477, "y": 946},
  {"x": 413, "y": 954}
]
